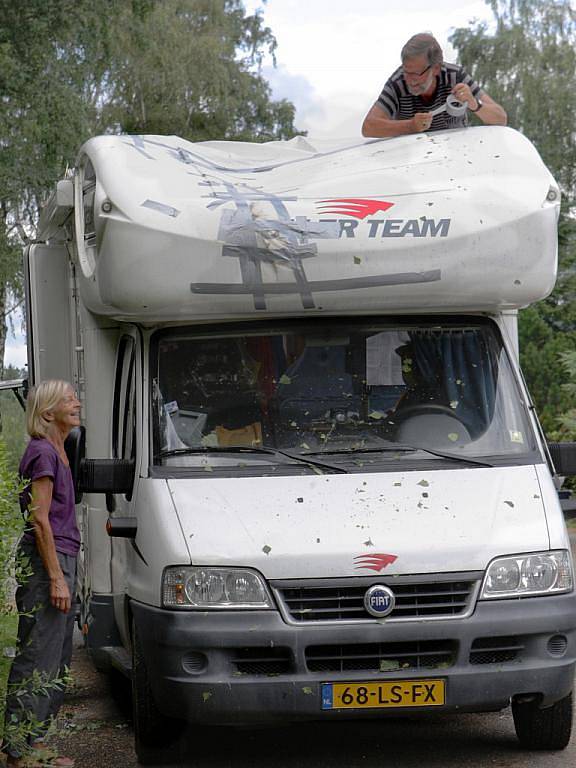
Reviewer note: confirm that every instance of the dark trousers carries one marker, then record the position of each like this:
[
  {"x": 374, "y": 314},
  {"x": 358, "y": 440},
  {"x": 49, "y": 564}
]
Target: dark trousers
[{"x": 44, "y": 649}]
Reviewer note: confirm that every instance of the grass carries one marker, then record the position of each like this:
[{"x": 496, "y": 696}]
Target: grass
[
  {"x": 8, "y": 627},
  {"x": 12, "y": 428}
]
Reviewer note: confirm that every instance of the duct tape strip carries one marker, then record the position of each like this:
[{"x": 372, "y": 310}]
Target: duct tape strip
[{"x": 167, "y": 210}]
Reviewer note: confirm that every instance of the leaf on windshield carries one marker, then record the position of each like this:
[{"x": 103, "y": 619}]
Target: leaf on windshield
[
  {"x": 376, "y": 415},
  {"x": 389, "y": 666}
]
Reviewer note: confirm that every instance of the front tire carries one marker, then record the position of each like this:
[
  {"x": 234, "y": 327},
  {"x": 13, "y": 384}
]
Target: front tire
[
  {"x": 155, "y": 735},
  {"x": 548, "y": 728}
]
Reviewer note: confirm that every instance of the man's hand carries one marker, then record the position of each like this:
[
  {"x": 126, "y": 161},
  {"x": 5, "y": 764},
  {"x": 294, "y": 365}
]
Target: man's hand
[
  {"x": 463, "y": 93},
  {"x": 60, "y": 594},
  {"x": 421, "y": 121}
]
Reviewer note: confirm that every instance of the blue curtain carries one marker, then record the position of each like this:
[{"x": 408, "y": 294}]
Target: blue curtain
[{"x": 463, "y": 365}]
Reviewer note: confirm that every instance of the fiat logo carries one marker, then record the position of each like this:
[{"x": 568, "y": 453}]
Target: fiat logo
[{"x": 379, "y": 601}]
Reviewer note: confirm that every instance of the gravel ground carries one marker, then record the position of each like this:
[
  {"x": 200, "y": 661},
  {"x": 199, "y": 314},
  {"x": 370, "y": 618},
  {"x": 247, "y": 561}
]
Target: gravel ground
[
  {"x": 95, "y": 730},
  {"x": 95, "y": 727}
]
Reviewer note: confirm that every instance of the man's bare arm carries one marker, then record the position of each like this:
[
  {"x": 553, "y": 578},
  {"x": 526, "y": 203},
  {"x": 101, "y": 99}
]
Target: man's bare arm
[
  {"x": 490, "y": 112},
  {"x": 379, "y": 125}
]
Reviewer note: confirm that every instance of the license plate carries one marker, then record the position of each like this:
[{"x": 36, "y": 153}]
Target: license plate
[{"x": 393, "y": 693}]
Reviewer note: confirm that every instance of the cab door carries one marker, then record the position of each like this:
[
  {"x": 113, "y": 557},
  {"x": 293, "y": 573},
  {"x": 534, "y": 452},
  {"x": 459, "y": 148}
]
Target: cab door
[{"x": 126, "y": 444}]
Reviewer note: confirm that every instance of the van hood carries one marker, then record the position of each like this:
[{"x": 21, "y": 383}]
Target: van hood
[{"x": 362, "y": 524}]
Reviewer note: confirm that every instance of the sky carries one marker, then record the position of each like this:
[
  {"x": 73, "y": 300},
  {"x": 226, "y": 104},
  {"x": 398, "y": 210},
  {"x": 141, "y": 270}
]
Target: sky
[{"x": 332, "y": 59}]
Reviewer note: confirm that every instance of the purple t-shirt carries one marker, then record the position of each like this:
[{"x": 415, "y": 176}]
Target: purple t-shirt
[{"x": 41, "y": 459}]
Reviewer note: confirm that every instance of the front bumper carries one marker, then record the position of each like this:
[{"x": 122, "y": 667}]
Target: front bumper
[{"x": 193, "y": 660}]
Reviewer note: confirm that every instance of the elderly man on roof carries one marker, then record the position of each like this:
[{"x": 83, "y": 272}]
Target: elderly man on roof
[{"x": 419, "y": 87}]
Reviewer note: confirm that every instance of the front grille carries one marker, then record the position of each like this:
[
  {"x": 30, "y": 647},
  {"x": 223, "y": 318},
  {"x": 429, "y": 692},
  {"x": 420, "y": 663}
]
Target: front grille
[
  {"x": 382, "y": 657},
  {"x": 344, "y": 600},
  {"x": 262, "y": 661},
  {"x": 495, "y": 650}
]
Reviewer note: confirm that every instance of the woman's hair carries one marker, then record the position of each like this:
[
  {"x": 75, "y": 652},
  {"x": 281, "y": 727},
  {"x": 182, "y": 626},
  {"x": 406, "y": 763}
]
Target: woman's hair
[
  {"x": 41, "y": 400},
  {"x": 423, "y": 44}
]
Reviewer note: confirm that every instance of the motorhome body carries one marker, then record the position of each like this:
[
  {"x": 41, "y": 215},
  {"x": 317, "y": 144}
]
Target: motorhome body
[{"x": 339, "y": 502}]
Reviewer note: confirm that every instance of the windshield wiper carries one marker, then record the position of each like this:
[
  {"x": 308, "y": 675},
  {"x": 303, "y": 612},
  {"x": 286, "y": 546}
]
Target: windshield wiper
[
  {"x": 314, "y": 463},
  {"x": 402, "y": 447}
]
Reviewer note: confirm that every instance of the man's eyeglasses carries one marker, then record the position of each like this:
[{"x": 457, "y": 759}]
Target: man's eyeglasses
[{"x": 417, "y": 74}]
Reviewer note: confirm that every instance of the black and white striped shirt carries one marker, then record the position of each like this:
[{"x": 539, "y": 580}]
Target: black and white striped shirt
[{"x": 399, "y": 103}]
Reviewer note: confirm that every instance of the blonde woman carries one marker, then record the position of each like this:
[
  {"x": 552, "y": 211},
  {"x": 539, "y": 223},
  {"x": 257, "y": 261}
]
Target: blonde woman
[{"x": 45, "y": 599}]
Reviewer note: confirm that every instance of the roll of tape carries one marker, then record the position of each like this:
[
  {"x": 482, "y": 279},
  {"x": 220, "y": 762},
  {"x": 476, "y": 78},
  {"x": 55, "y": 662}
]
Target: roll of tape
[{"x": 454, "y": 107}]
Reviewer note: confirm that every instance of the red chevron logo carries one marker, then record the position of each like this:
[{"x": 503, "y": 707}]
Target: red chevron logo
[
  {"x": 376, "y": 562},
  {"x": 357, "y": 207}
]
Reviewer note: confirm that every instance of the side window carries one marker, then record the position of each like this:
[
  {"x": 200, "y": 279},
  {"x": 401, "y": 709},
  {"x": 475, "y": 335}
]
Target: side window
[{"x": 124, "y": 414}]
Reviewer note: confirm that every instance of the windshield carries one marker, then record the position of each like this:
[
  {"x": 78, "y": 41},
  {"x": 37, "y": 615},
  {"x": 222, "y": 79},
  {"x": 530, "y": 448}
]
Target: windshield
[{"x": 335, "y": 389}]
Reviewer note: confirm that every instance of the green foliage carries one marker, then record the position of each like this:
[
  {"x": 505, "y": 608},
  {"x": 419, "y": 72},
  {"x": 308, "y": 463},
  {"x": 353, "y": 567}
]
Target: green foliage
[
  {"x": 541, "y": 350},
  {"x": 186, "y": 67},
  {"x": 22, "y": 724},
  {"x": 50, "y": 57},
  {"x": 568, "y": 418},
  {"x": 526, "y": 63},
  {"x": 70, "y": 69},
  {"x": 14, "y": 570},
  {"x": 12, "y": 420},
  {"x": 12, "y": 428},
  {"x": 11, "y": 525},
  {"x": 8, "y": 628}
]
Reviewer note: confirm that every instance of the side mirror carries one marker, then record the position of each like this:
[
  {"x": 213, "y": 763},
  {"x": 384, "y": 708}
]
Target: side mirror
[
  {"x": 563, "y": 457},
  {"x": 75, "y": 447},
  {"x": 96, "y": 475}
]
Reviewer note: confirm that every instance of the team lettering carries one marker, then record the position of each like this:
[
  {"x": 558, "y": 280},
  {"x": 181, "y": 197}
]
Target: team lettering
[{"x": 422, "y": 227}]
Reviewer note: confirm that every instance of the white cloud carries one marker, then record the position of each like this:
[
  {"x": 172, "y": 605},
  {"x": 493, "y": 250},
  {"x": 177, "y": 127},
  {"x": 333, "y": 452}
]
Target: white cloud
[
  {"x": 297, "y": 89},
  {"x": 15, "y": 353}
]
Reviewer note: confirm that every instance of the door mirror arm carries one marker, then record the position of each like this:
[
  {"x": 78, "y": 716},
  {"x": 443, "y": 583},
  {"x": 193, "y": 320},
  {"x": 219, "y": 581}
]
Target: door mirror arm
[
  {"x": 563, "y": 457},
  {"x": 107, "y": 475}
]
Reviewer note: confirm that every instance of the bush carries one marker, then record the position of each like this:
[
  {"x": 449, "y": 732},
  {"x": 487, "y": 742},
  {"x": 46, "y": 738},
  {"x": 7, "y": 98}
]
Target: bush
[
  {"x": 11, "y": 525},
  {"x": 13, "y": 571},
  {"x": 567, "y": 419}
]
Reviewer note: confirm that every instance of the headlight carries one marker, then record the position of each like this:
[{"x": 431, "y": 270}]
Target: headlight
[
  {"x": 539, "y": 573},
  {"x": 198, "y": 587}
]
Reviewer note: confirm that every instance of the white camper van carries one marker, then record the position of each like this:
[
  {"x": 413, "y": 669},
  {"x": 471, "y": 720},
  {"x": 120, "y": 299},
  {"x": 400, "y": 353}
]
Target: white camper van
[{"x": 315, "y": 486}]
